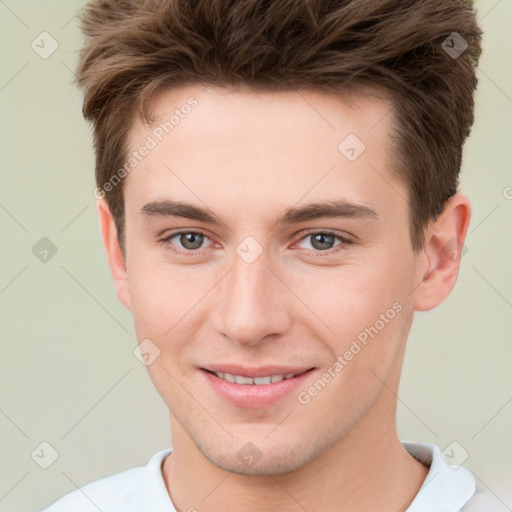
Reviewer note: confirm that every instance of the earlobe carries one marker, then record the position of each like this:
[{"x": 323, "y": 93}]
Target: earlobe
[
  {"x": 443, "y": 249},
  {"x": 116, "y": 261}
]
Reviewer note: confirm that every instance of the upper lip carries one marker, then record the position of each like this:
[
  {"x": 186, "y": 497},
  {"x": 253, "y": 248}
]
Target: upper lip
[{"x": 256, "y": 371}]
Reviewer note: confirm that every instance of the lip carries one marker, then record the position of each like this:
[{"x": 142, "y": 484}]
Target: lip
[{"x": 255, "y": 396}]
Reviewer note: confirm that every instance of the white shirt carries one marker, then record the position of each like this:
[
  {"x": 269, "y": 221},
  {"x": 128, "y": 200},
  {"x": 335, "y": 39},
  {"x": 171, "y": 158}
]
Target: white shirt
[{"x": 142, "y": 489}]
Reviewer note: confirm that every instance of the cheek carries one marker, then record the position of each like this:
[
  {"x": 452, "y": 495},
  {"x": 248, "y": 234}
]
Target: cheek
[
  {"x": 348, "y": 299},
  {"x": 359, "y": 366},
  {"x": 162, "y": 294},
  {"x": 367, "y": 311}
]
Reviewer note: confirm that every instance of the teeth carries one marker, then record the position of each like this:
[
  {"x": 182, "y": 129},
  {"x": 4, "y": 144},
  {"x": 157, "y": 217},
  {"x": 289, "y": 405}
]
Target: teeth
[
  {"x": 244, "y": 380},
  {"x": 262, "y": 380},
  {"x": 253, "y": 380}
]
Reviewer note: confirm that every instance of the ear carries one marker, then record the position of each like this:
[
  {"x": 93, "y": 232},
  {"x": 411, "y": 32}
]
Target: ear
[
  {"x": 443, "y": 249},
  {"x": 115, "y": 257}
]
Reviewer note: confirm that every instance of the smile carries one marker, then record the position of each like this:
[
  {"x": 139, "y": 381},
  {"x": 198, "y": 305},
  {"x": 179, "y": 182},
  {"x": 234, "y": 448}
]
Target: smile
[{"x": 255, "y": 388}]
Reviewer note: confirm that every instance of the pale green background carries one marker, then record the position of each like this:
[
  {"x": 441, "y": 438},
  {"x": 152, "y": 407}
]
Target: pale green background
[{"x": 66, "y": 353}]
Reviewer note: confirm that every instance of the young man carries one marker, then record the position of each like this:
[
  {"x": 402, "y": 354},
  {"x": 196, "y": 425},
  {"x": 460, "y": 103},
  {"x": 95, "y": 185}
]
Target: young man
[{"x": 277, "y": 195}]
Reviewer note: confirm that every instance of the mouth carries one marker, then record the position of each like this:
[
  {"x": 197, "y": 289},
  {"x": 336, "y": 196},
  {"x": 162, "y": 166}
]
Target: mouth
[
  {"x": 255, "y": 388},
  {"x": 256, "y": 381}
]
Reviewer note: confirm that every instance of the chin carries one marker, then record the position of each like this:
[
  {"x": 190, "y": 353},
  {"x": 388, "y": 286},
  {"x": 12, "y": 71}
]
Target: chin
[{"x": 264, "y": 457}]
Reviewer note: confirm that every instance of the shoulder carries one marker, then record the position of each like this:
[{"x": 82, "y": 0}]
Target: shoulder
[
  {"x": 480, "y": 502},
  {"x": 122, "y": 492},
  {"x": 104, "y": 494}
]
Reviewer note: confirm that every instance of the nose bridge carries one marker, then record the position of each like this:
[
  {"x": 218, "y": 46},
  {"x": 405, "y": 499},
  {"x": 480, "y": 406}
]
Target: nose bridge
[{"x": 250, "y": 306}]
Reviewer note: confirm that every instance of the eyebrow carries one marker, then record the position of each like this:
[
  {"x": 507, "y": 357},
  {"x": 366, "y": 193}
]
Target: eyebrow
[{"x": 329, "y": 209}]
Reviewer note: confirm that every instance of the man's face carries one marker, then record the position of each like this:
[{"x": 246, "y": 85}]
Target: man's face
[{"x": 257, "y": 295}]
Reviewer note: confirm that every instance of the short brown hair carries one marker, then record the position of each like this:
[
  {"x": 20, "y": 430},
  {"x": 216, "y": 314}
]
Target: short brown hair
[{"x": 414, "y": 51}]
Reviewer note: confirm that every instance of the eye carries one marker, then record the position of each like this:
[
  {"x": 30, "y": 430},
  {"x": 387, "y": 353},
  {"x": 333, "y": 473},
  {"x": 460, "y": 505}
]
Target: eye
[
  {"x": 186, "y": 241},
  {"x": 324, "y": 241}
]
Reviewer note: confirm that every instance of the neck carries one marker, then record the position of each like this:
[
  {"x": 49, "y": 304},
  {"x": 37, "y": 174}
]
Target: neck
[{"x": 365, "y": 469}]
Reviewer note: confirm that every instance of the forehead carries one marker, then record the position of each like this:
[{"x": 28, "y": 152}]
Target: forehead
[
  {"x": 277, "y": 145},
  {"x": 315, "y": 114}
]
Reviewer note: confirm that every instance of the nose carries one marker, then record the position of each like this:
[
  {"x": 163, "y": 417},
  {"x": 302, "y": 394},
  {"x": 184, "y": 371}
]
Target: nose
[{"x": 252, "y": 302}]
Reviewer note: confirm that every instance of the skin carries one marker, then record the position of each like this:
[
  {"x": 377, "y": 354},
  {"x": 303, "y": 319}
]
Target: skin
[{"x": 247, "y": 157}]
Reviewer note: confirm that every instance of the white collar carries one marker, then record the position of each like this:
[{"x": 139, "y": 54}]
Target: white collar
[{"x": 446, "y": 488}]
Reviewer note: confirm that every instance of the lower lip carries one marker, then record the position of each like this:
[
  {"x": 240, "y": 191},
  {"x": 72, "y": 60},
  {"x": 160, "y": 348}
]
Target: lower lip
[{"x": 255, "y": 396}]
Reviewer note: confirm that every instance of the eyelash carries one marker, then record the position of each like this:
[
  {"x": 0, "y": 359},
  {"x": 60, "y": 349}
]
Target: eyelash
[{"x": 316, "y": 253}]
